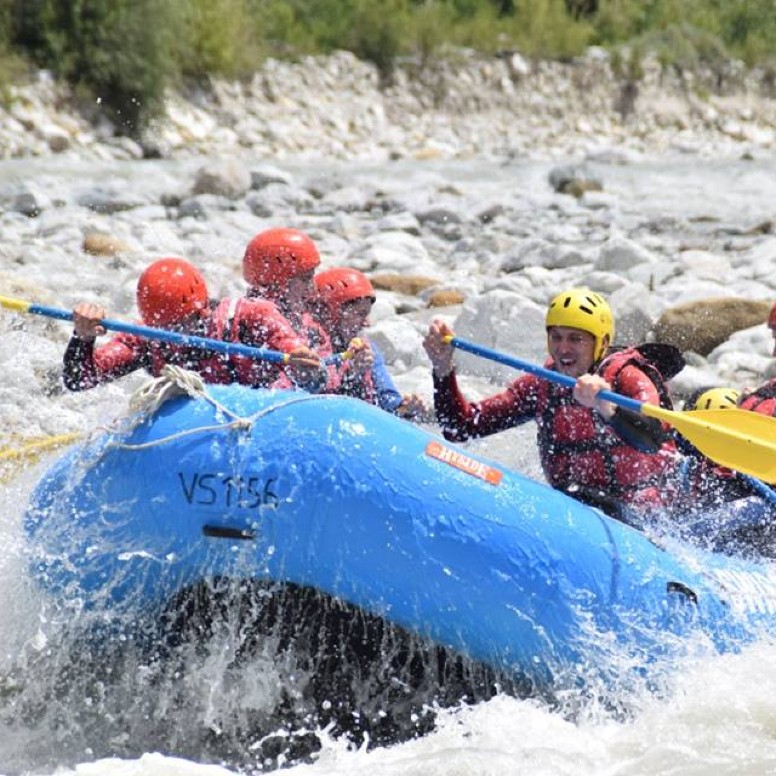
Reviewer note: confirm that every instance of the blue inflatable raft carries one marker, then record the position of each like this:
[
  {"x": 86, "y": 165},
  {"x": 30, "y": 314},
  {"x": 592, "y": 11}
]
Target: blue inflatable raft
[{"x": 331, "y": 493}]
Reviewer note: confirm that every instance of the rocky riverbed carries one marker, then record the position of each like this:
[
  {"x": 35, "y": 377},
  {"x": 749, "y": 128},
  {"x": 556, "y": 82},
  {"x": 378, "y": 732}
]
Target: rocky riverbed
[
  {"x": 463, "y": 106},
  {"x": 474, "y": 192}
]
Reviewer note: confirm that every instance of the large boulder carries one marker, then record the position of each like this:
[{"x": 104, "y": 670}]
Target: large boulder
[
  {"x": 504, "y": 321},
  {"x": 702, "y": 325},
  {"x": 411, "y": 285},
  {"x": 223, "y": 178},
  {"x": 103, "y": 244},
  {"x": 574, "y": 180}
]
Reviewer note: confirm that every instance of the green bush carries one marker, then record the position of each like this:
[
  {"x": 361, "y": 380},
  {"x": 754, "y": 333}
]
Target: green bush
[
  {"x": 122, "y": 54},
  {"x": 544, "y": 28},
  {"x": 431, "y": 26},
  {"x": 216, "y": 37},
  {"x": 687, "y": 47},
  {"x": 485, "y": 31},
  {"x": 13, "y": 66},
  {"x": 378, "y": 33},
  {"x": 279, "y": 29},
  {"x": 749, "y": 29},
  {"x": 107, "y": 49}
]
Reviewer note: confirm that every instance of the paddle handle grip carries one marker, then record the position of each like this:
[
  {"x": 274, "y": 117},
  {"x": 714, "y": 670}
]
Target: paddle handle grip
[{"x": 539, "y": 371}]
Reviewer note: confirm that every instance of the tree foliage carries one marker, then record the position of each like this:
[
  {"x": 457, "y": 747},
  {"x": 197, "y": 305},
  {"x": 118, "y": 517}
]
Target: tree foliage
[{"x": 123, "y": 54}]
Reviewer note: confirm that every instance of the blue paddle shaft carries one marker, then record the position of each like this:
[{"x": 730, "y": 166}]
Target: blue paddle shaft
[
  {"x": 547, "y": 374},
  {"x": 177, "y": 338}
]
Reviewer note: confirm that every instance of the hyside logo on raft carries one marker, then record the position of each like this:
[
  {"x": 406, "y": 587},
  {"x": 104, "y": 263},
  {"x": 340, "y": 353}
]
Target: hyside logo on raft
[
  {"x": 465, "y": 463},
  {"x": 207, "y": 489}
]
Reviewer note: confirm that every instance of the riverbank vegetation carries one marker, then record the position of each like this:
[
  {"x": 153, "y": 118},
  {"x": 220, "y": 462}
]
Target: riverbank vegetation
[{"x": 120, "y": 55}]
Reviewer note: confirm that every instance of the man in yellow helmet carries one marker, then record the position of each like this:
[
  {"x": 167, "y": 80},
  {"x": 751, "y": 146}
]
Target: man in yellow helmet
[{"x": 588, "y": 447}]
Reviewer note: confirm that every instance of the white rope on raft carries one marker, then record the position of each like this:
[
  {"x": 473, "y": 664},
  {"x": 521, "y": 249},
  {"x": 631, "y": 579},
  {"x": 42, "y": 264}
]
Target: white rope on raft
[{"x": 173, "y": 382}]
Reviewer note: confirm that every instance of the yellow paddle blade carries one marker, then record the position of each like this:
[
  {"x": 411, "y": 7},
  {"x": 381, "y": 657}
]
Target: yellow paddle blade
[{"x": 739, "y": 439}]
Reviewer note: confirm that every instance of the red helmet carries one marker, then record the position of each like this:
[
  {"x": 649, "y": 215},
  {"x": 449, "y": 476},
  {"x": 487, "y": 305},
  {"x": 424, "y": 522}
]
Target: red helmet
[
  {"x": 169, "y": 291},
  {"x": 339, "y": 285},
  {"x": 772, "y": 317},
  {"x": 277, "y": 255}
]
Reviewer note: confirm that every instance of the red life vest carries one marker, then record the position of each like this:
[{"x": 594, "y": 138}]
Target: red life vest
[
  {"x": 260, "y": 323},
  {"x": 254, "y": 322},
  {"x": 763, "y": 400},
  {"x": 577, "y": 447}
]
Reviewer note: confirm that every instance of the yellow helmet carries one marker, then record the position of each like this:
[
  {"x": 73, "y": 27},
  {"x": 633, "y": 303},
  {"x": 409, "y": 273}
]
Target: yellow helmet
[
  {"x": 581, "y": 308},
  {"x": 715, "y": 399}
]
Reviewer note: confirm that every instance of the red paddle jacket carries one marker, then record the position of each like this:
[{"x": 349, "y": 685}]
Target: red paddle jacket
[
  {"x": 86, "y": 366},
  {"x": 763, "y": 400},
  {"x": 253, "y": 322}
]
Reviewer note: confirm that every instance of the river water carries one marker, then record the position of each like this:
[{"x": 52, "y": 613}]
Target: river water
[{"x": 713, "y": 714}]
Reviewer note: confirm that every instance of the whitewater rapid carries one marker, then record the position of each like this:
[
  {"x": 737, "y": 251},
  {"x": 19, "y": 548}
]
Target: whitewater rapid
[{"x": 714, "y": 714}]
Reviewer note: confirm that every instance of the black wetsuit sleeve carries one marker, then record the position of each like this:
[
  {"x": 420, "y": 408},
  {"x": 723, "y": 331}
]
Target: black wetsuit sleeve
[
  {"x": 645, "y": 434},
  {"x": 79, "y": 372}
]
